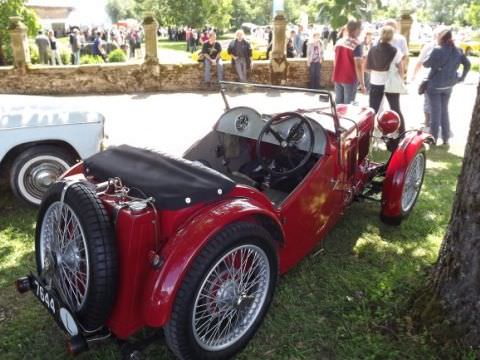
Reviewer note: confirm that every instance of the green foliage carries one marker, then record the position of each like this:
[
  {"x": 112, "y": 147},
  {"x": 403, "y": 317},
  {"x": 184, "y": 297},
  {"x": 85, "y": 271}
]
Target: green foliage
[
  {"x": 254, "y": 11},
  {"x": 10, "y": 8},
  {"x": 66, "y": 57},
  {"x": 117, "y": 55},
  {"x": 120, "y": 9},
  {"x": 91, "y": 59},
  {"x": 338, "y": 12},
  {"x": 34, "y": 56},
  {"x": 473, "y": 14}
]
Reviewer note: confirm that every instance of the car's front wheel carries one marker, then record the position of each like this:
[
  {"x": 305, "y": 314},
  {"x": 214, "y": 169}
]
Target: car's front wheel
[
  {"x": 225, "y": 294},
  {"x": 35, "y": 169},
  {"x": 411, "y": 189}
]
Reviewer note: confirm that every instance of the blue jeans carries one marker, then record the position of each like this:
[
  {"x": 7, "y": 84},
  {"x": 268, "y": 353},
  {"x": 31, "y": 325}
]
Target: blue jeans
[
  {"x": 208, "y": 69},
  {"x": 345, "y": 93},
  {"x": 314, "y": 75},
  {"x": 439, "y": 113}
]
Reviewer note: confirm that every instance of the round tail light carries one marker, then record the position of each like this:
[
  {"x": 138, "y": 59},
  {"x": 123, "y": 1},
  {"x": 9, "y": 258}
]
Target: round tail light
[{"x": 388, "y": 122}]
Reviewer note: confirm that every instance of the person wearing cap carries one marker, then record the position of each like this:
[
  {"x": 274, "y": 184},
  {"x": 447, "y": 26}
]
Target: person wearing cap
[{"x": 444, "y": 61}]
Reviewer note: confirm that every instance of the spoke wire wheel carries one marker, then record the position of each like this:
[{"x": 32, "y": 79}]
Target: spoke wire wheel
[
  {"x": 230, "y": 298},
  {"x": 225, "y": 294},
  {"x": 64, "y": 256},
  {"x": 76, "y": 252},
  {"x": 413, "y": 182}
]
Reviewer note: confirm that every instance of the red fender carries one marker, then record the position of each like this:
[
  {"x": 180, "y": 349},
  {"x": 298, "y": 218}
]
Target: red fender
[
  {"x": 180, "y": 251},
  {"x": 397, "y": 167}
]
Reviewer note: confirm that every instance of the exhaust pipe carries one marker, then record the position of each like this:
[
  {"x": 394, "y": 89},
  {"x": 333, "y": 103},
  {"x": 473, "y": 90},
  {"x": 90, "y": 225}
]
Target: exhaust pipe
[
  {"x": 23, "y": 284},
  {"x": 76, "y": 345}
]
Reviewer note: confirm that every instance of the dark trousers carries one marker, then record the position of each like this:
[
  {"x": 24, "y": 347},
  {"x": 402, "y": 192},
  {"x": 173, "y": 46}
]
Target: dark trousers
[
  {"x": 315, "y": 70},
  {"x": 439, "y": 114},
  {"x": 376, "y": 97}
]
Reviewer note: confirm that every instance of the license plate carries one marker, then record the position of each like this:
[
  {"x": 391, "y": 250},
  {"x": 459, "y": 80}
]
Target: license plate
[
  {"x": 46, "y": 298},
  {"x": 55, "y": 307}
]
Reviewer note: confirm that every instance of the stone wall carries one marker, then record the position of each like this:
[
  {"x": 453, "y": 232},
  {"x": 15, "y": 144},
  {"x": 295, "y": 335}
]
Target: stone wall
[{"x": 129, "y": 78}]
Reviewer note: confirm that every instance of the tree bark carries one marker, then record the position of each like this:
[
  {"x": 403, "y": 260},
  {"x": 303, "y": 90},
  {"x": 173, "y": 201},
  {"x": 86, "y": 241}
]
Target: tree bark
[{"x": 456, "y": 275}]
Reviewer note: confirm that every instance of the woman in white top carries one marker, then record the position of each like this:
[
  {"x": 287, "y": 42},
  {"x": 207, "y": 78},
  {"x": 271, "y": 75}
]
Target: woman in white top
[{"x": 380, "y": 58}]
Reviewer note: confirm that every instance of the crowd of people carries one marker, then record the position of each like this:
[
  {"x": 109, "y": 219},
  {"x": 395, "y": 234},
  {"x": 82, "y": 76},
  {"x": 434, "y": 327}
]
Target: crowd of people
[
  {"x": 385, "y": 62},
  {"x": 100, "y": 40},
  {"x": 375, "y": 66},
  {"x": 194, "y": 38}
]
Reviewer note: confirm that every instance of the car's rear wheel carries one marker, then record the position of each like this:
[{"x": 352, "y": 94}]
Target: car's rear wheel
[
  {"x": 76, "y": 254},
  {"x": 411, "y": 188},
  {"x": 225, "y": 294},
  {"x": 35, "y": 169}
]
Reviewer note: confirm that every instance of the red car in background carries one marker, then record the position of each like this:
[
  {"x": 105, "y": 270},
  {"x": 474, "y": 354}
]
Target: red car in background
[{"x": 131, "y": 238}]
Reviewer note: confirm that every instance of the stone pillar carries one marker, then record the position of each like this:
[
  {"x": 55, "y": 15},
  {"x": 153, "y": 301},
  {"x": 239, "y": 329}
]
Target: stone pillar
[
  {"x": 150, "y": 27},
  {"x": 19, "y": 42},
  {"x": 406, "y": 22},
  {"x": 278, "y": 62}
]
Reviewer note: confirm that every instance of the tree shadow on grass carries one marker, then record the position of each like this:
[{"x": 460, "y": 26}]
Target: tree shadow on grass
[{"x": 349, "y": 298}]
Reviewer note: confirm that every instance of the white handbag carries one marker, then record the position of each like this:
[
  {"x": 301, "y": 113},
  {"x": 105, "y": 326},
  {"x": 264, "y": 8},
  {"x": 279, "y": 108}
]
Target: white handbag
[{"x": 394, "y": 83}]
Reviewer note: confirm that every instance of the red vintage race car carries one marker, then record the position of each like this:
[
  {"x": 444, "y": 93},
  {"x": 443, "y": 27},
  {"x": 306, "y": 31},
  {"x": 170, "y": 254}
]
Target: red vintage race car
[{"x": 131, "y": 238}]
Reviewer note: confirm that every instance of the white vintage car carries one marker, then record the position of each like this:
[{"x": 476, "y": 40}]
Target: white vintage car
[{"x": 37, "y": 144}]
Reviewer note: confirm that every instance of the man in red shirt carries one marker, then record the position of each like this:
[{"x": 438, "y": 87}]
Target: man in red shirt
[{"x": 347, "y": 68}]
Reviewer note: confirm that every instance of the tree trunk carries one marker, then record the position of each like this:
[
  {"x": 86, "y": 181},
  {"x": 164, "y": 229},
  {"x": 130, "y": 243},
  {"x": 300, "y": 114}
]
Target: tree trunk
[{"x": 456, "y": 276}]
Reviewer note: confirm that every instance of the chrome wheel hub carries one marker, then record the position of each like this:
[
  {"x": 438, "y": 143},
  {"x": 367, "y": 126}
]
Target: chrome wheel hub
[
  {"x": 44, "y": 177},
  {"x": 231, "y": 297},
  {"x": 37, "y": 174}
]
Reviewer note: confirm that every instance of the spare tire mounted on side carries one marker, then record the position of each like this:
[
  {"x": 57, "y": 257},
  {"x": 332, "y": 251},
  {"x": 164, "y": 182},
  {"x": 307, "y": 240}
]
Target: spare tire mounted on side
[{"x": 76, "y": 253}]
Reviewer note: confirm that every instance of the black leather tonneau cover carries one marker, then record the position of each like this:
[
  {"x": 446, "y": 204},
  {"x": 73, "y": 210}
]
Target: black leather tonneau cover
[{"x": 174, "y": 183}]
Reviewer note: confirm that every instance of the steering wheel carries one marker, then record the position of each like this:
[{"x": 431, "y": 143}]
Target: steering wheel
[{"x": 288, "y": 147}]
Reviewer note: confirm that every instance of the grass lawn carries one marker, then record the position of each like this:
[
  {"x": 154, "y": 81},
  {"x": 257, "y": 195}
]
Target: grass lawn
[{"x": 347, "y": 300}]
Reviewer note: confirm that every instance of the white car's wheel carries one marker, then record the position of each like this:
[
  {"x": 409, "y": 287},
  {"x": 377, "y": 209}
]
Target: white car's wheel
[{"x": 35, "y": 169}]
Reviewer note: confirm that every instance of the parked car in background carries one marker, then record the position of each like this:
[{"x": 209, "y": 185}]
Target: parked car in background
[
  {"x": 38, "y": 144},
  {"x": 470, "y": 47}
]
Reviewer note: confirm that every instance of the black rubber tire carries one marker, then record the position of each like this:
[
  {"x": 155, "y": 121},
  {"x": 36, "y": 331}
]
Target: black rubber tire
[
  {"x": 31, "y": 153},
  {"x": 397, "y": 220},
  {"x": 178, "y": 331},
  {"x": 101, "y": 247}
]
